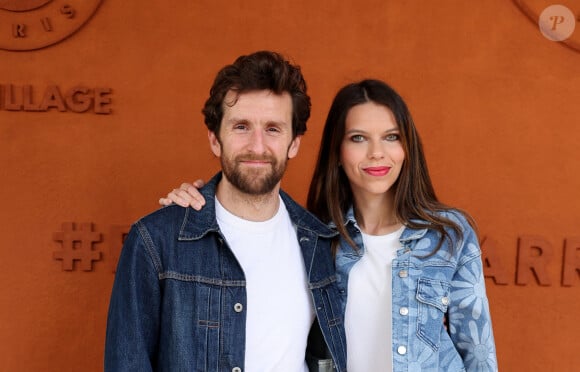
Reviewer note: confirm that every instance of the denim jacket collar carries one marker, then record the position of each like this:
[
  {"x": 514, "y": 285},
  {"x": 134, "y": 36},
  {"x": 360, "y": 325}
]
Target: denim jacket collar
[
  {"x": 408, "y": 234},
  {"x": 206, "y": 221}
]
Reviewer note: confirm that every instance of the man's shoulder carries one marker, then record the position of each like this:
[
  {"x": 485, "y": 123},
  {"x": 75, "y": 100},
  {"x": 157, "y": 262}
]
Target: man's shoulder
[
  {"x": 301, "y": 217},
  {"x": 165, "y": 217},
  {"x": 165, "y": 213}
]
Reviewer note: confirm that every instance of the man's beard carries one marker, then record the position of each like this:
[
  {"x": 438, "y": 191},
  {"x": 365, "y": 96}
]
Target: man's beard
[{"x": 253, "y": 181}]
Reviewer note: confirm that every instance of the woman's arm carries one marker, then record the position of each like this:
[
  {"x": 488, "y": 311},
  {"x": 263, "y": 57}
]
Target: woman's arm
[
  {"x": 186, "y": 195},
  {"x": 469, "y": 316}
]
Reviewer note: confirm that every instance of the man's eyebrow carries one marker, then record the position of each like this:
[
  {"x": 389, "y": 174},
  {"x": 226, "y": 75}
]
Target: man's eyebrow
[
  {"x": 277, "y": 122},
  {"x": 234, "y": 120}
]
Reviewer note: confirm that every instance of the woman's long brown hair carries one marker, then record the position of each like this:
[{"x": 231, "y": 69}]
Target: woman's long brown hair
[{"x": 416, "y": 204}]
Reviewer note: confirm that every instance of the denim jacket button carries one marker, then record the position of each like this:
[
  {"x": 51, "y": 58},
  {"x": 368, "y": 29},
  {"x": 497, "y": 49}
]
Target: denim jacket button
[
  {"x": 236, "y": 369},
  {"x": 404, "y": 311},
  {"x": 403, "y": 274},
  {"x": 402, "y": 350},
  {"x": 238, "y": 309},
  {"x": 445, "y": 301}
]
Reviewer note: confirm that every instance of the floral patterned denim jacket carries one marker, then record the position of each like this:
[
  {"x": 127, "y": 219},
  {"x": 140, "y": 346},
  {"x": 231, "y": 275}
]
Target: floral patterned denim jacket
[{"x": 424, "y": 290}]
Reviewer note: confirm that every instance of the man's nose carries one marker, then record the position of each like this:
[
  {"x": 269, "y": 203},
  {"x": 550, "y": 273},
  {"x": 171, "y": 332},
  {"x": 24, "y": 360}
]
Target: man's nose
[{"x": 257, "y": 142}]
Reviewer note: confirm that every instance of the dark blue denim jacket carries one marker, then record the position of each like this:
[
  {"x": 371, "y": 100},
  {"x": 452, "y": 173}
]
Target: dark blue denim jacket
[{"x": 179, "y": 298}]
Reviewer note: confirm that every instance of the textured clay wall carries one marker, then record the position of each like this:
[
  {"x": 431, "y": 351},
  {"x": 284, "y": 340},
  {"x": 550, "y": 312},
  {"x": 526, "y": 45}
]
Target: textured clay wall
[{"x": 100, "y": 115}]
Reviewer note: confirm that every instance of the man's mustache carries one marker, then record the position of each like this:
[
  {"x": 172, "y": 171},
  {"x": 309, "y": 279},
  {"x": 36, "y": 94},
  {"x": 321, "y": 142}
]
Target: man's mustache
[{"x": 250, "y": 157}]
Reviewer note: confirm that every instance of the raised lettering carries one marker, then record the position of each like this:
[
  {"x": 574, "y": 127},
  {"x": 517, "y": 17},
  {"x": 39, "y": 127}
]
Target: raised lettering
[
  {"x": 46, "y": 24},
  {"x": 571, "y": 262},
  {"x": 78, "y": 99},
  {"x": 493, "y": 267},
  {"x": 52, "y": 99},
  {"x": 68, "y": 11},
  {"x": 528, "y": 261},
  {"x": 11, "y": 102},
  {"x": 27, "y": 99},
  {"x": 119, "y": 233},
  {"x": 19, "y": 30},
  {"x": 102, "y": 100}
]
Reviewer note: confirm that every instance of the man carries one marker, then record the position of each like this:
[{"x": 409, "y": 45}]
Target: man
[{"x": 237, "y": 285}]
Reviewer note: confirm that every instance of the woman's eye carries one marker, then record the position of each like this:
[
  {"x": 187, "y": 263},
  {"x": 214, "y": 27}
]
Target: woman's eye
[
  {"x": 392, "y": 137},
  {"x": 357, "y": 138}
]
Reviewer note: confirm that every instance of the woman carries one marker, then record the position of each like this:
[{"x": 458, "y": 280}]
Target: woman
[{"x": 405, "y": 262}]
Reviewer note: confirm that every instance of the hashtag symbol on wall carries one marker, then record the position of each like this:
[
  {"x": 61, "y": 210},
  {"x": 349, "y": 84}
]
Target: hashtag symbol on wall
[{"x": 77, "y": 245}]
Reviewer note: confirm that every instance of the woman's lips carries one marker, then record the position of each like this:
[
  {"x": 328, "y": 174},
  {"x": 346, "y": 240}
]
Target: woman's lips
[{"x": 377, "y": 171}]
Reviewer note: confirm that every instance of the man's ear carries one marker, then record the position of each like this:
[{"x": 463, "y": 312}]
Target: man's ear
[
  {"x": 294, "y": 146},
  {"x": 214, "y": 143}
]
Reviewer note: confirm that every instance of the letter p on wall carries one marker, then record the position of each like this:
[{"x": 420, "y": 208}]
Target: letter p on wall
[{"x": 556, "y": 20}]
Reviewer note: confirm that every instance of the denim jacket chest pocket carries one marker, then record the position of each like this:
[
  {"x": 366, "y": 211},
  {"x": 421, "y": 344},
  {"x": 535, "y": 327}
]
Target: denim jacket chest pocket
[{"x": 433, "y": 297}]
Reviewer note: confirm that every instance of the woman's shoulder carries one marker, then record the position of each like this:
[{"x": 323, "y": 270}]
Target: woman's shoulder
[{"x": 457, "y": 216}]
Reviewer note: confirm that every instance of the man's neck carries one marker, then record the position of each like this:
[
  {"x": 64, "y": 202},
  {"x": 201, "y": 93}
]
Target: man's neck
[{"x": 249, "y": 207}]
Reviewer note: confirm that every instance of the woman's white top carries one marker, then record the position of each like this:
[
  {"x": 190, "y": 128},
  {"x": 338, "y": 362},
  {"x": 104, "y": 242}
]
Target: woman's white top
[{"x": 368, "y": 318}]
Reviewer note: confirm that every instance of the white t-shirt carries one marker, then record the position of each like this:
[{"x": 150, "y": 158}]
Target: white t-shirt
[
  {"x": 279, "y": 305},
  {"x": 368, "y": 319}
]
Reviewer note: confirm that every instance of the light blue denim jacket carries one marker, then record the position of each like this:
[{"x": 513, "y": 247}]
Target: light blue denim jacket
[
  {"x": 179, "y": 298},
  {"x": 424, "y": 290}
]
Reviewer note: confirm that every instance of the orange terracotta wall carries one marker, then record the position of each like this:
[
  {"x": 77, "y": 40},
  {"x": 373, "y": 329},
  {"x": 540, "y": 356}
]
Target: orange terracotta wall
[{"x": 112, "y": 122}]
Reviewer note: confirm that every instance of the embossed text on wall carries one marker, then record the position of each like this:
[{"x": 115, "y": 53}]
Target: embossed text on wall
[
  {"x": 77, "y": 245},
  {"x": 77, "y": 99},
  {"x": 534, "y": 255},
  {"x": 35, "y": 24}
]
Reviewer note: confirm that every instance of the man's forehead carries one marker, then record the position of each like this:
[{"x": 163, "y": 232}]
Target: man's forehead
[
  {"x": 264, "y": 102},
  {"x": 233, "y": 96}
]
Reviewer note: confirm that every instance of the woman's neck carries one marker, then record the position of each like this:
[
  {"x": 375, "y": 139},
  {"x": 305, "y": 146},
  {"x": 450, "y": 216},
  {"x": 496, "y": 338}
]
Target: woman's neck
[{"x": 375, "y": 214}]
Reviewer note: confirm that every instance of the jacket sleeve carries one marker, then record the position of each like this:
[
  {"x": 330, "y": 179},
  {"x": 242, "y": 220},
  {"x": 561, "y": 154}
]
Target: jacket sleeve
[
  {"x": 469, "y": 316},
  {"x": 133, "y": 319}
]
